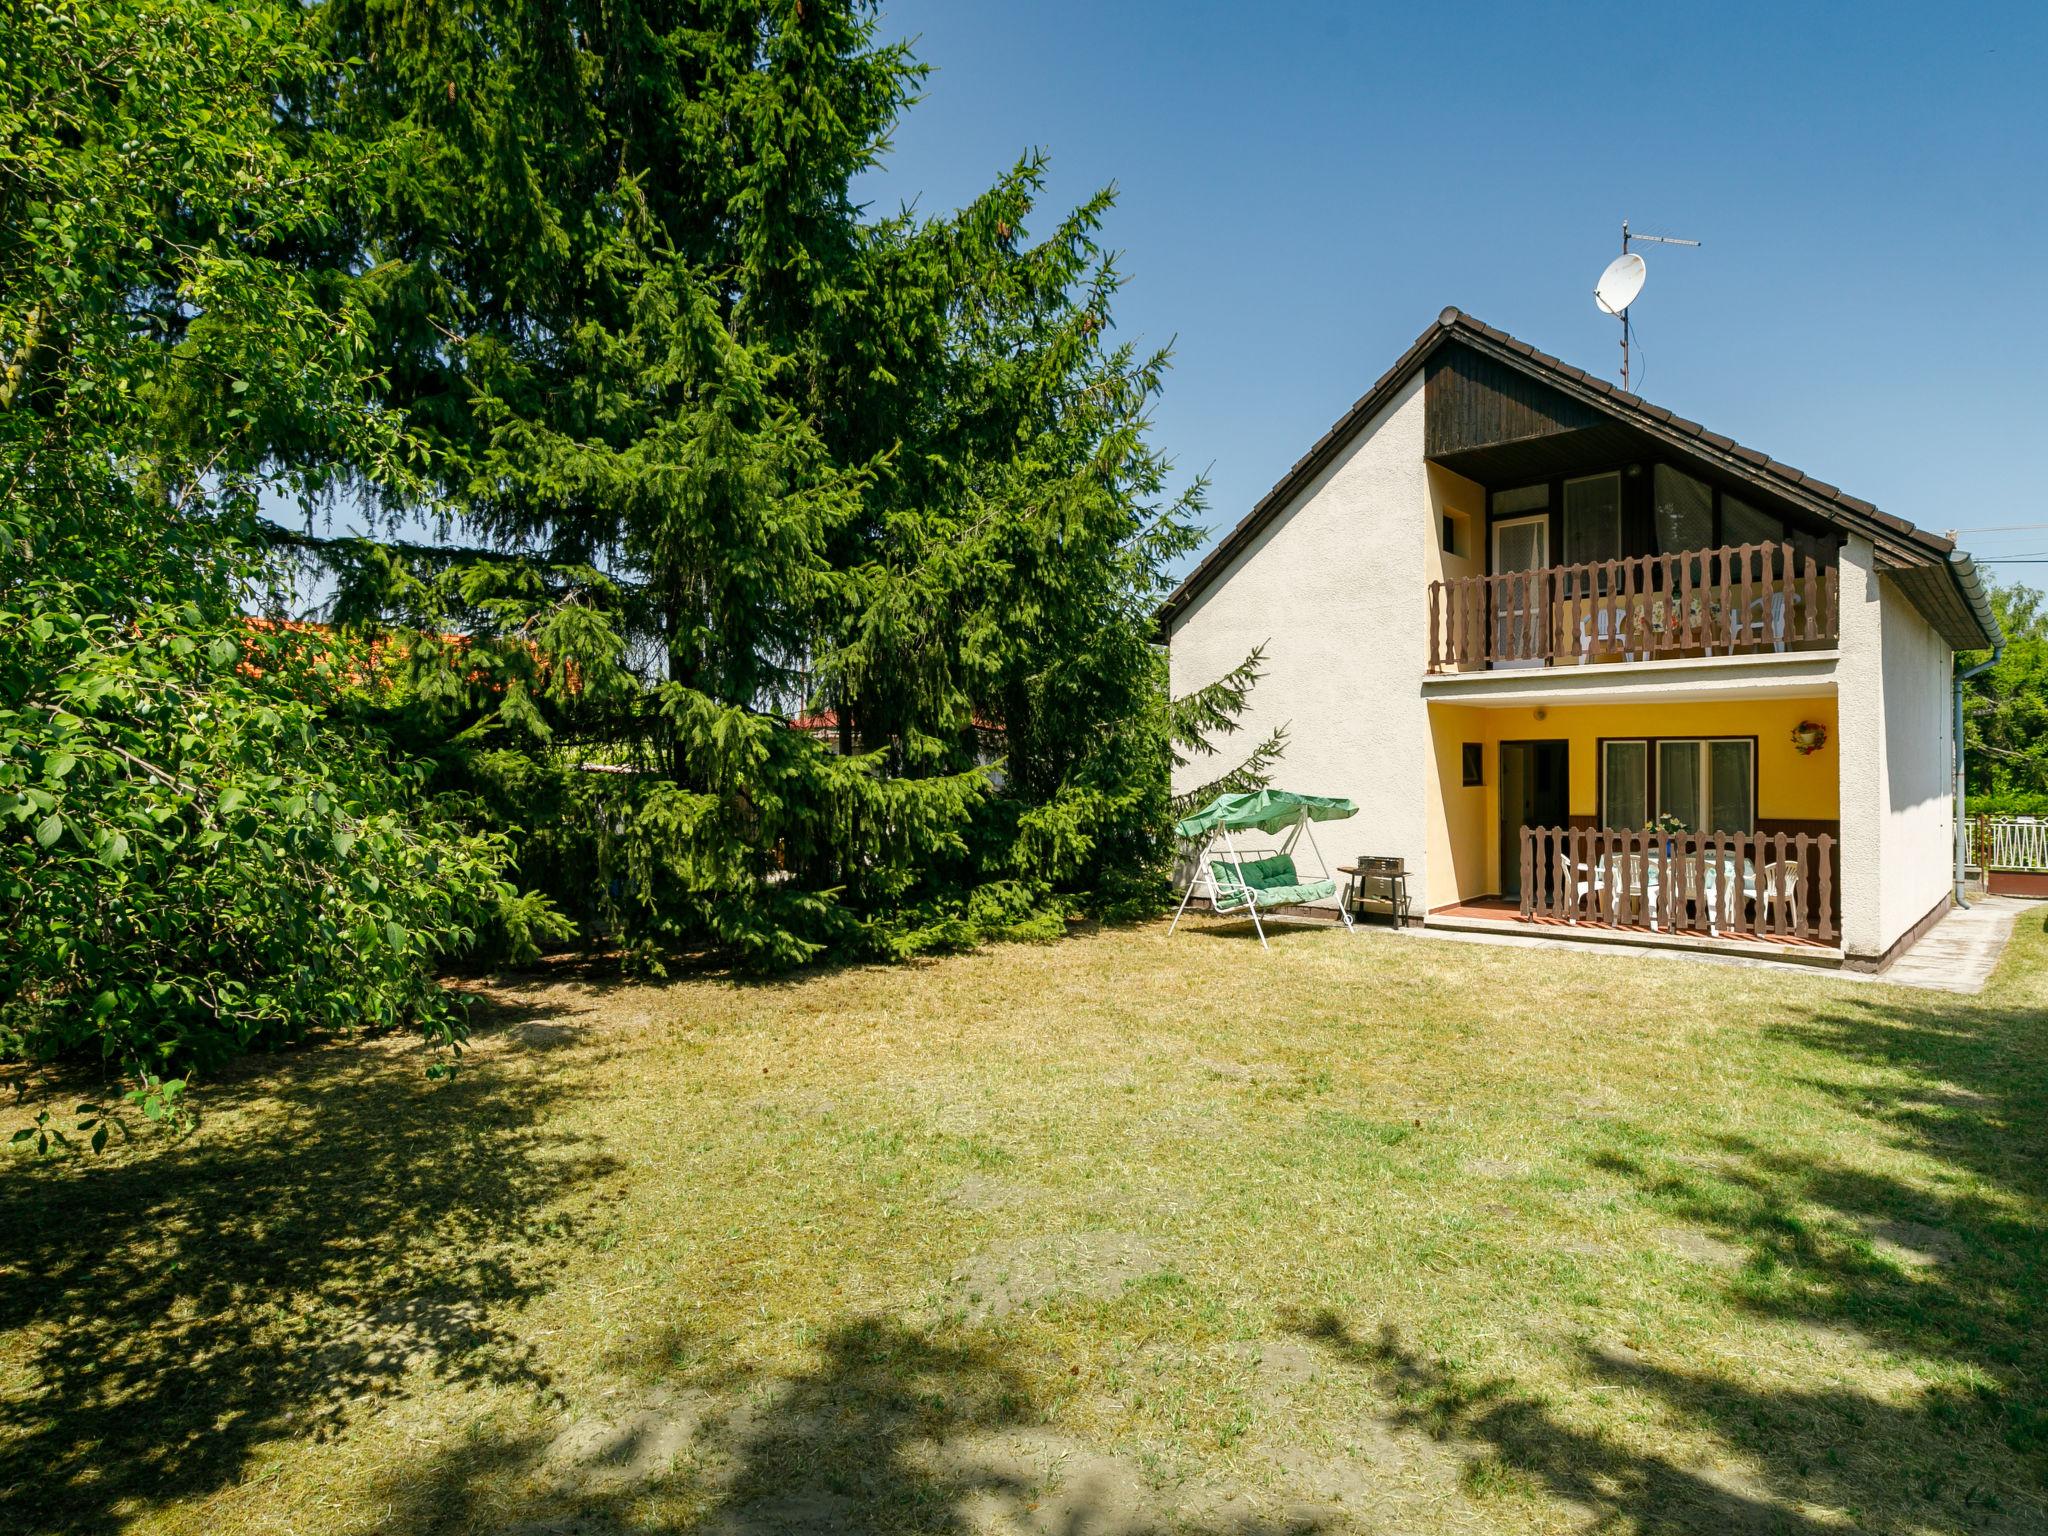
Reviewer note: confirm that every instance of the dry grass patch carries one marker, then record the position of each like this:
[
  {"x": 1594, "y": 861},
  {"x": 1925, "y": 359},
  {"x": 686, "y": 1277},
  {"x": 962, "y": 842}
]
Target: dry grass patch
[{"x": 1115, "y": 1234}]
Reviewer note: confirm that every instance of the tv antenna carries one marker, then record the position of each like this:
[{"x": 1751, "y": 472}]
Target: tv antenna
[{"x": 1623, "y": 281}]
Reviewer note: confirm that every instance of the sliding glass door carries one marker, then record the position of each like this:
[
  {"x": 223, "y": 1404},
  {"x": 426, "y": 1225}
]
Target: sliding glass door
[
  {"x": 1625, "y": 784},
  {"x": 1707, "y": 783}
]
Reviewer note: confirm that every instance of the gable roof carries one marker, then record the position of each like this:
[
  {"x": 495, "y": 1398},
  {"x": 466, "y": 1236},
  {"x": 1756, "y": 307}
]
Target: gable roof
[{"x": 1941, "y": 579}]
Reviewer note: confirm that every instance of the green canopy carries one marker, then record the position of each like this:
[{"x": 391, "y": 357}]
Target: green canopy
[{"x": 1263, "y": 810}]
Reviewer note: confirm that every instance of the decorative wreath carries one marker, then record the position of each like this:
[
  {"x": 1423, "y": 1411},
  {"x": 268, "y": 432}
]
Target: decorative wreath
[{"x": 1809, "y": 736}]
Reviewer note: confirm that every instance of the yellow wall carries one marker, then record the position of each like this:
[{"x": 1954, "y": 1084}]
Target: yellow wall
[
  {"x": 1457, "y": 817},
  {"x": 1464, "y": 846},
  {"x": 1466, "y": 499}
]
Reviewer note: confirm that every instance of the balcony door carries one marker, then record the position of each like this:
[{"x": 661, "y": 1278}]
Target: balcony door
[{"x": 1521, "y": 619}]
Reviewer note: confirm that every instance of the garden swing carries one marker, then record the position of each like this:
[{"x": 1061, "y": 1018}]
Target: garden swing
[{"x": 1236, "y": 882}]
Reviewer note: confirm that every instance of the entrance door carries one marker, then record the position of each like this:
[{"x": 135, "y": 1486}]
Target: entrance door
[
  {"x": 1521, "y": 628},
  {"x": 1535, "y": 779}
]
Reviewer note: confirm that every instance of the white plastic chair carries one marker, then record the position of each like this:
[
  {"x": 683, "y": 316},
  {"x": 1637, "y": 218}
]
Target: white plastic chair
[
  {"x": 1767, "y": 621},
  {"x": 1576, "y": 879},
  {"x": 1767, "y": 876}
]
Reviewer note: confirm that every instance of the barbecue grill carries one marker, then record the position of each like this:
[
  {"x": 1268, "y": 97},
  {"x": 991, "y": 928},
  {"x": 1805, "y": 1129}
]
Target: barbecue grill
[{"x": 1379, "y": 883}]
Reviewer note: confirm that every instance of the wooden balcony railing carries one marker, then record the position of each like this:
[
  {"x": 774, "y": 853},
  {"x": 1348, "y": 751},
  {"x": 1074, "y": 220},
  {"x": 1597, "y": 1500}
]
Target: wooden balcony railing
[
  {"x": 1755, "y": 885},
  {"x": 1739, "y": 600}
]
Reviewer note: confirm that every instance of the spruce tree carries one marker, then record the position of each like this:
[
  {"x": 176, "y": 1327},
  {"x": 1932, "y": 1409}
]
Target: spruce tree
[{"x": 725, "y": 447}]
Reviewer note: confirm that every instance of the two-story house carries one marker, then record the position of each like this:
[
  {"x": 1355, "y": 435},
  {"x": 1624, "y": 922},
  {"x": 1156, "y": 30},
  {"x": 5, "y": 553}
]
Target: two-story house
[{"x": 1584, "y": 664}]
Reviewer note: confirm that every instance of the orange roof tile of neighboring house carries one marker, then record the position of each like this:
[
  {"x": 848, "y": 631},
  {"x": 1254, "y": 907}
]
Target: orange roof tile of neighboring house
[
  {"x": 381, "y": 649},
  {"x": 828, "y": 720}
]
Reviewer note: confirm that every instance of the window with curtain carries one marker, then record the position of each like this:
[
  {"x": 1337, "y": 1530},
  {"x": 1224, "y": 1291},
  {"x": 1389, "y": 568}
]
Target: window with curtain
[
  {"x": 1743, "y": 524},
  {"x": 1710, "y": 786},
  {"x": 1730, "y": 792},
  {"x": 1592, "y": 519},
  {"x": 1592, "y": 526},
  {"x": 1678, "y": 782},
  {"x": 1625, "y": 784},
  {"x": 1683, "y": 513}
]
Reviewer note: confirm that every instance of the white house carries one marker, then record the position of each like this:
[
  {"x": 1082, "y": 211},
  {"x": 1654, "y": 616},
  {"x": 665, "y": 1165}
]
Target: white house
[{"x": 1584, "y": 663}]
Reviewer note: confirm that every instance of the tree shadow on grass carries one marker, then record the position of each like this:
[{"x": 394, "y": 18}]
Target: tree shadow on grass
[
  {"x": 1940, "y": 1261},
  {"x": 1513, "y": 1439},
  {"x": 896, "y": 1430},
  {"x": 176, "y": 1305},
  {"x": 1926, "y": 1273}
]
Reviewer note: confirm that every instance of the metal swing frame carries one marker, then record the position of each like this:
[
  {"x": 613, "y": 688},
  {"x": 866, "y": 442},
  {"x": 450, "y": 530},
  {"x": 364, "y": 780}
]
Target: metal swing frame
[{"x": 1205, "y": 874}]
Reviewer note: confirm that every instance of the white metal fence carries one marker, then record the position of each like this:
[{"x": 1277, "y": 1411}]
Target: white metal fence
[{"x": 2017, "y": 844}]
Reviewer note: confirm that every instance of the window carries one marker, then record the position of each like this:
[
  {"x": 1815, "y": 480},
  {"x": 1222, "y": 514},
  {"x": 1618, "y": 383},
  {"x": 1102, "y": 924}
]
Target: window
[
  {"x": 1684, "y": 512},
  {"x": 1679, "y": 791},
  {"x": 1709, "y": 785},
  {"x": 1592, "y": 529},
  {"x": 1624, "y": 784},
  {"x": 1456, "y": 540},
  {"x": 1475, "y": 764},
  {"x": 1731, "y": 787},
  {"x": 1592, "y": 519},
  {"x": 1523, "y": 498},
  {"x": 1743, "y": 524}
]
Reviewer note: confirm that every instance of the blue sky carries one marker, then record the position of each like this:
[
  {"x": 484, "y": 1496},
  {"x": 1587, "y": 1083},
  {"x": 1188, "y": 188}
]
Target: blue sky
[{"x": 1305, "y": 185}]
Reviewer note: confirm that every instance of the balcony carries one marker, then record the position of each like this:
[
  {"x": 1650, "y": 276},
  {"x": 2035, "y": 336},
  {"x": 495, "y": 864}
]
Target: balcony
[
  {"x": 1776, "y": 887},
  {"x": 1741, "y": 600}
]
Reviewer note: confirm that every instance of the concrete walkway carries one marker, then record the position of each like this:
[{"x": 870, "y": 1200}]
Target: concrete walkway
[{"x": 1959, "y": 953}]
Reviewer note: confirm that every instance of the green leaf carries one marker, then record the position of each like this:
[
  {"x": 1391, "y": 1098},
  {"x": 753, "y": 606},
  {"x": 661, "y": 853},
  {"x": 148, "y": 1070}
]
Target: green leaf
[
  {"x": 58, "y": 764},
  {"x": 50, "y": 829}
]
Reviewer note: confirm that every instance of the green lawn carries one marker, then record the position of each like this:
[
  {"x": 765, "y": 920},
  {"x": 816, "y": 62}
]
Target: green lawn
[{"x": 1114, "y": 1234}]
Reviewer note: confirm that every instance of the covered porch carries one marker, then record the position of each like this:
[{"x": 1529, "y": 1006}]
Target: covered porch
[{"x": 1702, "y": 823}]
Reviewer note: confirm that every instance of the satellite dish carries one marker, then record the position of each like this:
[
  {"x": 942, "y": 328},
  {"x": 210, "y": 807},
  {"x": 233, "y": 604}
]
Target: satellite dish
[{"x": 1620, "y": 283}]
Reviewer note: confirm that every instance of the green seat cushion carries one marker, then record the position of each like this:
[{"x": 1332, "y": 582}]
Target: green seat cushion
[
  {"x": 1298, "y": 894},
  {"x": 1273, "y": 881},
  {"x": 1260, "y": 874}
]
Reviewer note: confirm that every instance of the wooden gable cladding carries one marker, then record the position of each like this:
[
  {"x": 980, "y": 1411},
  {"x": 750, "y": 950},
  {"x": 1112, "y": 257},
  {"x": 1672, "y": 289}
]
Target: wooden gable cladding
[
  {"x": 1500, "y": 412},
  {"x": 1471, "y": 400}
]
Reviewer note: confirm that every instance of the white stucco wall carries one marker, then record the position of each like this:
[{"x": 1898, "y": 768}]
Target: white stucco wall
[
  {"x": 1919, "y": 804},
  {"x": 1898, "y": 822},
  {"x": 1337, "y": 589}
]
